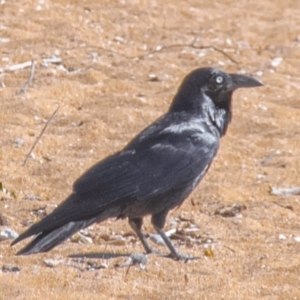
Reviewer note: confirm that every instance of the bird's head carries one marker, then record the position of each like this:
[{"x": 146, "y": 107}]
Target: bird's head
[{"x": 211, "y": 83}]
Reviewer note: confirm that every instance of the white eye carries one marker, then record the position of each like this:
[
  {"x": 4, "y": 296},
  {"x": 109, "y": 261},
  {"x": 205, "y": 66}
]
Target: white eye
[{"x": 219, "y": 79}]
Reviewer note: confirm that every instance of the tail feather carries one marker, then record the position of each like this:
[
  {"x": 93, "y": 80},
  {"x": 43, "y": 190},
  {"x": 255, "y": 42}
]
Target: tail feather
[
  {"x": 61, "y": 216},
  {"x": 49, "y": 239}
]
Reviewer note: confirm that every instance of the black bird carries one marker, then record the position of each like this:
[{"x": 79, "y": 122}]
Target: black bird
[{"x": 155, "y": 172}]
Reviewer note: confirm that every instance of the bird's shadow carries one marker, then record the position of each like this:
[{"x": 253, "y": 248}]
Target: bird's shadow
[
  {"x": 106, "y": 255},
  {"x": 99, "y": 255}
]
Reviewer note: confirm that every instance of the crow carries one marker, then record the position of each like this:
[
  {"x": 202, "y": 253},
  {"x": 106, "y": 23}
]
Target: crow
[{"x": 155, "y": 172}]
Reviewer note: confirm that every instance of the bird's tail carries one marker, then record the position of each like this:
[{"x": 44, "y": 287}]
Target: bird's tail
[{"x": 49, "y": 239}]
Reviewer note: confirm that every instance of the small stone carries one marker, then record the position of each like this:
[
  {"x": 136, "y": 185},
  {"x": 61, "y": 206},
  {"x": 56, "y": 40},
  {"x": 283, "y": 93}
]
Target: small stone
[
  {"x": 297, "y": 239},
  {"x": 8, "y": 234},
  {"x": 133, "y": 259},
  {"x": 153, "y": 77},
  {"x": 276, "y": 61},
  {"x": 231, "y": 211},
  {"x": 118, "y": 39},
  {"x": 53, "y": 262},
  {"x": 282, "y": 237},
  {"x": 18, "y": 142},
  {"x": 82, "y": 239},
  {"x": 7, "y": 269}
]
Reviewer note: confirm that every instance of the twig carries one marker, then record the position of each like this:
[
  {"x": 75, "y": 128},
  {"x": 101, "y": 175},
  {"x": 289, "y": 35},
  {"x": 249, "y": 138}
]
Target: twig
[
  {"x": 192, "y": 45},
  {"x": 269, "y": 157},
  {"x": 28, "y": 82},
  {"x": 40, "y": 135},
  {"x": 19, "y": 66},
  {"x": 162, "y": 48},
  {"x": 217, "y": 50}
]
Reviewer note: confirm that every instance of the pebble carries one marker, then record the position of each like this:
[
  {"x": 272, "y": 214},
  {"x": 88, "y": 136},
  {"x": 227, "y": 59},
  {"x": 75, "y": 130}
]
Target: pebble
[{"x": 8, "y": 234}]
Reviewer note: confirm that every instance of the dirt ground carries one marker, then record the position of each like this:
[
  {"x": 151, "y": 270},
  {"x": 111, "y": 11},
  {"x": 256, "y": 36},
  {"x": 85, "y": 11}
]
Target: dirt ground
[{"x": 115, "y": 68}]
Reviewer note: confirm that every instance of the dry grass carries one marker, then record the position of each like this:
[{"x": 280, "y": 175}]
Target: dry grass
[{"x": 106, "y": 97}]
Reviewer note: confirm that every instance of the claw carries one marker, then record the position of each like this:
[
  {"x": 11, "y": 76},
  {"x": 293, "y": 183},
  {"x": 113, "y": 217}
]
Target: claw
[{"x": 180, "y": 256}]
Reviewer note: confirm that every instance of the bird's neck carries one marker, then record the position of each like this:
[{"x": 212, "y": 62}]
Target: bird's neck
[
  {"x": 218, "y": 110},
  {"x": 216, "y": 115},
  {"x": 219, "y": 117}
]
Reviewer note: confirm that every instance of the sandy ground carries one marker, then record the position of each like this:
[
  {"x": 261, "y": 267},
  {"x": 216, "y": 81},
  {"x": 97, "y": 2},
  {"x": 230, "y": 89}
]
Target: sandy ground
[{"x": 121, "y": 63}]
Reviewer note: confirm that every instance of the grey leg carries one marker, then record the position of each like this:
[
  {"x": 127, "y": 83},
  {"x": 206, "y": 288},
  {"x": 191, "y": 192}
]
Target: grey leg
[
  {"x": 158, "y": 222},
  {"x": 136, "y": 225}
]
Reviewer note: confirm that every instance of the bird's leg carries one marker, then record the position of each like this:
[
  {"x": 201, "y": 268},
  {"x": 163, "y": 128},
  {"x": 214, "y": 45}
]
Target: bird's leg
[
  {"x": 158, "y": 222},
  {"x": 136, "y": 225}
]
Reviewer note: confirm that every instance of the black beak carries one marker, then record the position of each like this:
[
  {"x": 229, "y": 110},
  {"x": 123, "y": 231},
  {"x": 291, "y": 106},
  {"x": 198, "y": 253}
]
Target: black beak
[{"x": 241, "y": 81}]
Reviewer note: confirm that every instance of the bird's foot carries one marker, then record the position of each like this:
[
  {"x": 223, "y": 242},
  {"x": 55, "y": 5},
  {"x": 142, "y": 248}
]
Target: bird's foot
[
  {"x": 174, "y": 254},
  {"x": 180, "y": 256}
]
